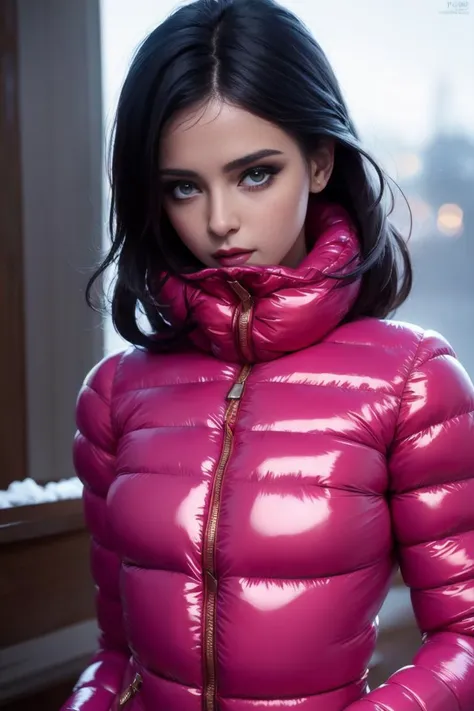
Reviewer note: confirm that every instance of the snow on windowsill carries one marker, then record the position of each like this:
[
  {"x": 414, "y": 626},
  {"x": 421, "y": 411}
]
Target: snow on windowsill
[{"x": 29, "y": 492}]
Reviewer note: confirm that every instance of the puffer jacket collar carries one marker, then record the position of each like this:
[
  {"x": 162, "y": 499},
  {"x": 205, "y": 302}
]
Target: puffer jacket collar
[{"x": 286, "y": 309}]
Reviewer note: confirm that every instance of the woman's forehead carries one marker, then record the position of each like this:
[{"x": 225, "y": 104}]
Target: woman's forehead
[{"x": 218, "y": 133}]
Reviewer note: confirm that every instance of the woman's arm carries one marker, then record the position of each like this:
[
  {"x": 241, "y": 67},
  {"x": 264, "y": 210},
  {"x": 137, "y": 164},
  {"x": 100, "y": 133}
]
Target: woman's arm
[
  {"x": 94, "y": 460},
  {"x": 432, "y": 505}
]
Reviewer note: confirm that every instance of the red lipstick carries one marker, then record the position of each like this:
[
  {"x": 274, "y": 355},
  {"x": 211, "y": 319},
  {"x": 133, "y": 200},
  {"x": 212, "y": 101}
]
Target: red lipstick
[{"x": 233, "y": 257}]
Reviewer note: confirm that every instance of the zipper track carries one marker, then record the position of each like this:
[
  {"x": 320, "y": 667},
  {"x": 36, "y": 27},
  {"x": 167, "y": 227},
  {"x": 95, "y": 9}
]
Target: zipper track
[
  {"x": 210, "y": 584},
  {"x": 243, "y": 320},
  {"x": 210, "y": 581}
]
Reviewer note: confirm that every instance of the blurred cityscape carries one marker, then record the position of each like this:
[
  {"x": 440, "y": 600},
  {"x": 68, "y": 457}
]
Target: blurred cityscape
[{"x": 437, "y": 179}]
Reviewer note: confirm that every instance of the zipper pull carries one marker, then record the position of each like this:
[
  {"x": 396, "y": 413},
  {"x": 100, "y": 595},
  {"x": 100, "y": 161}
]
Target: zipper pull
[
  {"x": 242, "y": 293},
  {"x": 211, "y": 582},
  {"x": 236, "y": 391},
  {"x": 131, "y": 690}
]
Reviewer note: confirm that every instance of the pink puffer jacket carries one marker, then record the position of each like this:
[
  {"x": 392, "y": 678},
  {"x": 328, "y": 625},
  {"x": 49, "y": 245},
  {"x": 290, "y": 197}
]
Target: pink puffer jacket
[{"x": 250, "y": 497}]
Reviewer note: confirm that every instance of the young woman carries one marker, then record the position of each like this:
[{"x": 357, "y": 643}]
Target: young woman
[{"x": 271, "y": 449}]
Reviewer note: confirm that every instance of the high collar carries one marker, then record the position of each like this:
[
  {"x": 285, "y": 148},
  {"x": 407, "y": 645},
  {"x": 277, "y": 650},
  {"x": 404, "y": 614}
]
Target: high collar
[{"x": 257, "y": 314}]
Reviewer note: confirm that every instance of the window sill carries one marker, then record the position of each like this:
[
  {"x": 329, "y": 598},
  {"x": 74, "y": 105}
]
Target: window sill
[
  {"x": 23, "y": 523},
  {"x": 40, "y": 663},
  {"x": 44, "y": 554}
]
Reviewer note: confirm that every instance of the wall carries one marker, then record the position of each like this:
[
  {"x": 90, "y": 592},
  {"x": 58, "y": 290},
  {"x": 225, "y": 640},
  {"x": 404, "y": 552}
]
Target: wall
[{"x": 61, "y": 142}]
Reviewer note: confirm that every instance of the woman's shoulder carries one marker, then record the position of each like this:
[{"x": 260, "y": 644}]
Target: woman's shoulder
[
  {"x": 403, "y": 352},
  {"x": 136, "y": 368},
  {"x": 420, "y": 365},
  {"x": 406, "y": 340},
  {"x": 101, "y": 377}
]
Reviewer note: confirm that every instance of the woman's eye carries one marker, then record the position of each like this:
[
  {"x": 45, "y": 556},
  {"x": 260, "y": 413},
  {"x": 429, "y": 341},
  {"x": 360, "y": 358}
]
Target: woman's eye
[
  {"x": 181, "y": 191},
  {"x": 256, "y": 177}
]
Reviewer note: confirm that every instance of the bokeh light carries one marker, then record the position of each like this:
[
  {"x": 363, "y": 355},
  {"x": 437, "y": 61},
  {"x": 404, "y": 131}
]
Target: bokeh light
[
  {"x": 450, "y": 220},
  {"x": 408, "y": 165}
]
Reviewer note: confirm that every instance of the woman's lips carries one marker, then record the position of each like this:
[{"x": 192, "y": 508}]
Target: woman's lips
[{"x": 233, "y": 258}]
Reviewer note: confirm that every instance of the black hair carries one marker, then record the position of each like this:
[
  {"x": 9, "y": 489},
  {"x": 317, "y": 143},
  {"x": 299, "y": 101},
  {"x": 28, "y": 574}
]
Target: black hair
[{"x": 256, "y": 55}]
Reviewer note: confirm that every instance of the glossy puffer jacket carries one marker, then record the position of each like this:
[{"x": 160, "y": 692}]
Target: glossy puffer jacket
[{"x": 251, "y": 495}]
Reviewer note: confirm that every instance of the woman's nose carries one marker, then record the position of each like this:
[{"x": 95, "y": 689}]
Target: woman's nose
[{"x": 223, "y": 217}]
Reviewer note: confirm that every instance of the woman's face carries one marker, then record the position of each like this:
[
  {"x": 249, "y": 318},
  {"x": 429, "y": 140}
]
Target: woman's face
[{"x": 236, "y": 187}]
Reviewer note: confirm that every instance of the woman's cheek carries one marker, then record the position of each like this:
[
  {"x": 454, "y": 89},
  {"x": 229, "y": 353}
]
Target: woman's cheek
[{"x": 181, "y": 217}]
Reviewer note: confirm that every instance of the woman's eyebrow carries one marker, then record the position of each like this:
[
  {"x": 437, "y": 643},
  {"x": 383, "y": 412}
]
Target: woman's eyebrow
[
  {"x": 250, "y": 158},
  {"x": 229, "y": 167}
]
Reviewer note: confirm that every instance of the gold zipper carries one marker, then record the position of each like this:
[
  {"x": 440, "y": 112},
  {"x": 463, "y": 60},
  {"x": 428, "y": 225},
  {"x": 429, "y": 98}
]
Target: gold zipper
[
  {"x": 234, "y": 397},
  {"x": 243, "y": 320},
  {"x": 131, "y": 690}
]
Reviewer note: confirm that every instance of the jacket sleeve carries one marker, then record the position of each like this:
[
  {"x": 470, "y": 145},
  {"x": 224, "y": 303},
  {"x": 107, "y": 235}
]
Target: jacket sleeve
[
  {"x": 94, "y": 460},
  {"x": 432, "y": 505}
]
